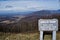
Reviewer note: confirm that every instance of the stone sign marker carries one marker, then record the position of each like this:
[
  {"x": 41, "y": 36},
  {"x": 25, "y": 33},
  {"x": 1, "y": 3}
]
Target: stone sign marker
[{"x": 48, "y": 25}]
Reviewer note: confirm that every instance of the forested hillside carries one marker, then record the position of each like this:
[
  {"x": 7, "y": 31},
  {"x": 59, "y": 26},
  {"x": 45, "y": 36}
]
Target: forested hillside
[{"x": 30, "y": 22}]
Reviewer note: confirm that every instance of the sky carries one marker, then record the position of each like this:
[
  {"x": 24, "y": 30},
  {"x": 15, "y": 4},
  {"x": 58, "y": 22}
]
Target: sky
[
  {"x": 28, "y": 5},
  {"x": 26, "y": 0}
]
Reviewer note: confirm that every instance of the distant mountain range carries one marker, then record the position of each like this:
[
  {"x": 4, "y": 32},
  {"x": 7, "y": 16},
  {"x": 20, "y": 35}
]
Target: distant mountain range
[
  {"x": 29, "y": 12},
  {"x": 41, "y": 14}
]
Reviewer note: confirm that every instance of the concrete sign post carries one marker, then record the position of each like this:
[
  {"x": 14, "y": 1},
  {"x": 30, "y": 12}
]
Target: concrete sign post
[
  {"x": 41, "y": 35},
  {"x": 48, "y": 25},
  {"x": 54, "y": 35}
]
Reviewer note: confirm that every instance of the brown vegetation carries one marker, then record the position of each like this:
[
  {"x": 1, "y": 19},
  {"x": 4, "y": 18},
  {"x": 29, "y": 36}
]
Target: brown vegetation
[{"x": 27, "y": 24}]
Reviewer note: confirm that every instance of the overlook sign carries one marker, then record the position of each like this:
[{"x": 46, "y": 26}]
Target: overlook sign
[{"x": 48, "y": 25}]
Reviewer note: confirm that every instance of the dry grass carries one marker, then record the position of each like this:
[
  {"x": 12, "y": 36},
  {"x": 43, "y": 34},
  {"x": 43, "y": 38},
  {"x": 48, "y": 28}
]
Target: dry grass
[{"x": 25, "y": 36}]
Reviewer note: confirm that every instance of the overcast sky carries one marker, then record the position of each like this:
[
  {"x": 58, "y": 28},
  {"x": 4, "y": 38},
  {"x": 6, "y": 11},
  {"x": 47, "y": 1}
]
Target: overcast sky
[
  {"x": 30, "y": 5},
  {"x": 27, "y": 0}
]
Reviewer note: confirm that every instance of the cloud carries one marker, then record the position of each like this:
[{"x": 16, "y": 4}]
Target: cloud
[
  {"x": 27, "y": 0},
  {"x": 21, "y": 6},
  {"x": 14, "y": 8},
  {"x": 28, "y": 5}
]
